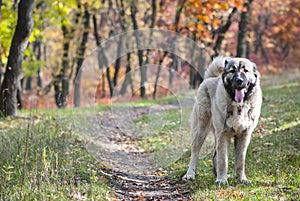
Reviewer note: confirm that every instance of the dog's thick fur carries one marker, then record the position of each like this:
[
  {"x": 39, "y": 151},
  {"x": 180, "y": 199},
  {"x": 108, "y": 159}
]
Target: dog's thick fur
[{"x": 228, "y": 100}]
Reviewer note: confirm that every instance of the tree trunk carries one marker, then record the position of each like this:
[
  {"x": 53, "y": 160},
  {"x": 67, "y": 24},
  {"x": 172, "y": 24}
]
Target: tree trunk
[
  {"x": 8, "y": 97},
  {"x": 80, "y": 55},
  {"x": 28, "y": 83},
  {"x": 110, "y": 82},
  {"x": 153, "y": 18},
  {"x": 176, "y": 61},
  {"x": 101, "y": 57},
  {"x": 221, "y": 33},
  {"x": 143, "y": 69},
  {"x": 128, "y": 79},
  {"x": 118, "y": 61},
  {"x": 38, "y": 54},
  {"x": 158, "y": 74},
  {"x": 241, "y": 45},
  {"x": 1, "y": 71},
  {"x": 61, "y": 81},
  {"x": 259, "y": 32},
  {"x": 19, "y": 97},
  {"x": 192, "y": 68}
]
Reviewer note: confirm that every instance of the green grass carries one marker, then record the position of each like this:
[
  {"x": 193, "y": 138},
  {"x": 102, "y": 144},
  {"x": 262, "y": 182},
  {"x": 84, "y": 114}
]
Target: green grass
[
  {"x": 165, "y": 135},
  {"x": 273, "y": 158},
  {"x": 43, "y": 158}
]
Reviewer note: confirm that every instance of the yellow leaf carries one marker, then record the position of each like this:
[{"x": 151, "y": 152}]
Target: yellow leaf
[
  {"x": 205, "y": 18},
  {"x": 217, "y": 6},
  {"x": 97, "y": 5},
  {"x": 200, "y": 27}
]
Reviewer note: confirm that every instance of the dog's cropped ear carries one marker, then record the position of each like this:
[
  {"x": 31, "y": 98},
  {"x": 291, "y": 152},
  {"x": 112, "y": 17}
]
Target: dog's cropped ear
[
  {"x": 254, "y": 66},
  {"x": 255, "y": 71},
  {"x": 227, "y": 60}
]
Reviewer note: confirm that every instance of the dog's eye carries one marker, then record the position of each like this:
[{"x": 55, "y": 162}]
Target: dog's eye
[
  {"x": 246, "y": 70},
  {"x": 232, "y": 71}
]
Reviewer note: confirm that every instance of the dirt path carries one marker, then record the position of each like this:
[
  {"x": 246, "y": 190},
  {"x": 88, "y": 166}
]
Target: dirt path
[{"x": 129, "y": 169}]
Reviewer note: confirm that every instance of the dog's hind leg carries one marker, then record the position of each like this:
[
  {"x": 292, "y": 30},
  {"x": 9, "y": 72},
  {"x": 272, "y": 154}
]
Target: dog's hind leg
[
  {"x": 214, "y": 158},
  {"x": 214, "y": 169},
  {"x": 200, "y": 125}
]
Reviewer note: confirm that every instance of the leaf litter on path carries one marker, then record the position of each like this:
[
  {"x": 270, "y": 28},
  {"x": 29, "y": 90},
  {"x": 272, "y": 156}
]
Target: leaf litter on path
[{"x": 113, "y": 139}]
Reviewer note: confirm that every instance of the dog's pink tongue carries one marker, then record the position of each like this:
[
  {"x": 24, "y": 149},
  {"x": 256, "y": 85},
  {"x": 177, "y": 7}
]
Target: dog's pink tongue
[{"x": 239, "y": 95}]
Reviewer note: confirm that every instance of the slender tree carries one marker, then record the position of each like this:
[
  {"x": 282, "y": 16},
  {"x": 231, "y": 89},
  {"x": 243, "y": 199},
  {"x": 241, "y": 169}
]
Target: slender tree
[
  {"x": 61, "y": 80},
  {"x": 37, "y": 51},
  {"x": 143, "y": 69},
  {"x": 158, "y": 73},
  {"x": 220, "y": 33},
  {"x": 101, "y": 57},
  {"x": 8, "y": 97},
  {"x": 118, "y": 61},
  {"x": 80, "y": 55},
  {"x": 242, "y": 45},
  {"x": 128, "y": 79}
]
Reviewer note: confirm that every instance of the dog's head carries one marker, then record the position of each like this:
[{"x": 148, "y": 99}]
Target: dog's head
[{"x": 240, "y": 76}]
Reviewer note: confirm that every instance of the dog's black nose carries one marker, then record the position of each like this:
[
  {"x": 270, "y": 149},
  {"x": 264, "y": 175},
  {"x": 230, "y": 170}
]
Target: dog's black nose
[{"x": 239, "y": 80}]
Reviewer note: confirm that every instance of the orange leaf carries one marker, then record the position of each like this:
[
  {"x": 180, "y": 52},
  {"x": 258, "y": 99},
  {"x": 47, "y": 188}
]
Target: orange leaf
[
  {"x": 200, "y": 27},
  {"x": 205, "y": 18}
]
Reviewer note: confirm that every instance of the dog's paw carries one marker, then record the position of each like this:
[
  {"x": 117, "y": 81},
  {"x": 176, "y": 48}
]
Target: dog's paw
[
  {"x": 245, "y": 181},
  {"x": 189, "y": 176},
  {"x": 222, "y": 181}
]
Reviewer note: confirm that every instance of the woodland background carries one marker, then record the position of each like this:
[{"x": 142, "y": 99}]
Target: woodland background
[{"x": 61, "y": 35}]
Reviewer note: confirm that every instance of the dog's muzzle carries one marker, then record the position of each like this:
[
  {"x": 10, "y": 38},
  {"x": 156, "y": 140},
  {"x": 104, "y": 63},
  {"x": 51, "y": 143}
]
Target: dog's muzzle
[{"x": 240, "y": 89}]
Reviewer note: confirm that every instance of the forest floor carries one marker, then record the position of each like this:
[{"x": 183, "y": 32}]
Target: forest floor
[
  {"x": 131, "y": 170},
  {"x": 129, "y": 167}
]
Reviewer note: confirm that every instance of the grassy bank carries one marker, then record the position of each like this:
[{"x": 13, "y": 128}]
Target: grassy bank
[
  {"x": 43, "y": 158},
  {"x": 273, "y": 160}
]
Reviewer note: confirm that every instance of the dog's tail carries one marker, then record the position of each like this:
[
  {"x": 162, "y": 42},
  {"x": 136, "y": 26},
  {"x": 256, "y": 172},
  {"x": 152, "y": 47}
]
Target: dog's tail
[{"x": 216, "y": 67}]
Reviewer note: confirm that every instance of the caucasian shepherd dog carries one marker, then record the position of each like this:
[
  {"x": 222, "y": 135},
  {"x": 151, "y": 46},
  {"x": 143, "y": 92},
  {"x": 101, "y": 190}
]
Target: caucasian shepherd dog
[{"x": 228, "y": 100}]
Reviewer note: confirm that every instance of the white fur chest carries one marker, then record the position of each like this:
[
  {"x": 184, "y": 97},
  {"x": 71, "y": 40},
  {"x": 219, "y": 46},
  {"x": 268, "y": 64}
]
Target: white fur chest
[{"x": 237, "y": 118}]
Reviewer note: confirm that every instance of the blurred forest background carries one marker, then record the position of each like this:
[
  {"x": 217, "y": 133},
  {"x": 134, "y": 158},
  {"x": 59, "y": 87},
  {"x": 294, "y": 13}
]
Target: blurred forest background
[{"x": 40, "y": 60}]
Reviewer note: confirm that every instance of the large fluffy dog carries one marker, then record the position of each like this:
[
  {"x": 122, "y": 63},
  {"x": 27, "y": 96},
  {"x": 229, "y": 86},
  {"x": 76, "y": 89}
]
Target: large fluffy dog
[{"x": 229, "y": 99}]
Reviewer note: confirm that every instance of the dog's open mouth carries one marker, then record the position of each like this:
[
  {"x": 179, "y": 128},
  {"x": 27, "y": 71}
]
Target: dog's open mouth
[{"x": 239, "y": 95}]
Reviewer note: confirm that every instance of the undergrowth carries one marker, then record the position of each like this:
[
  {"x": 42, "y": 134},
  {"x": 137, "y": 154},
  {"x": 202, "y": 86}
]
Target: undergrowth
[{"x": 43, "y": 158}]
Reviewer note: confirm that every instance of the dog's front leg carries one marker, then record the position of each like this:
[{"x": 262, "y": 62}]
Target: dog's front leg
[
  {"x": 241, "y": 143},
  {"x": 222, "y": 148}
]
